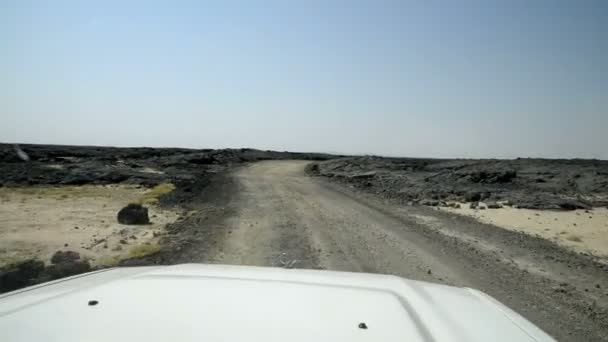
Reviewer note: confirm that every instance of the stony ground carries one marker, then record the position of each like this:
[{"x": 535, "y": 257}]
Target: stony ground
[{"x": 524, "y": 183}]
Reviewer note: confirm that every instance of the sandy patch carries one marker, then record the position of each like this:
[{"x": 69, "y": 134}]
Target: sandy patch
[
  {"x": 579, "y": 230},
  {"x": 38, "y": 221}
]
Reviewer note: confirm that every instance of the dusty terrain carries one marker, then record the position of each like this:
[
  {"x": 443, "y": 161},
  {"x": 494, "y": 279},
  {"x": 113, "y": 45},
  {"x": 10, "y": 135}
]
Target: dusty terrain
[
  {"x": 38, "y": 221},
  {"x": 584, "y": 231},
  {"x": 367, "y": 214}
]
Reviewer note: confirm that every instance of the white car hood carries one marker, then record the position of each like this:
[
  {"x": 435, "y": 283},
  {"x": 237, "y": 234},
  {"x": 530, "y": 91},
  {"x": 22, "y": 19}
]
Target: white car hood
[{"x": 194, "y": 302}]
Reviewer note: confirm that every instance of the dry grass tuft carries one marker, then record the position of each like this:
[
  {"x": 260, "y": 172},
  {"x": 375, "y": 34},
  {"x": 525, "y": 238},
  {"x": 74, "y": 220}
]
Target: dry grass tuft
[
  {"x": 143, "y": 250},
  {"x": 152, "y": 196}
]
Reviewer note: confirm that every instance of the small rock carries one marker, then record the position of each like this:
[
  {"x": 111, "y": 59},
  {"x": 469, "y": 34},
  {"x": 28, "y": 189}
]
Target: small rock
[
  {"x": 123, "y": 241},
  {"x": 76, "y": 227},
  {"x": 133, "y": 237},
  {"x": 65, "y": 245},
  {"x": 97, "y": 242},
  {"x": 473, "y": 205},
  {"x": 117, "y": 248},
  {"x": 429, "y": 272},
  {"x": 597, "y": 286},
  {"x": 457, "y": 206},
  {"x": 155, "y": 234},
  {"x": 558, "y": 289}
]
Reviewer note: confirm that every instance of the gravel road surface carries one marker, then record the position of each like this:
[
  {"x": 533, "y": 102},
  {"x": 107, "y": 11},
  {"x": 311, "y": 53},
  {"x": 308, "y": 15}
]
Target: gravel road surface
[{"x": 279, "y": 216}]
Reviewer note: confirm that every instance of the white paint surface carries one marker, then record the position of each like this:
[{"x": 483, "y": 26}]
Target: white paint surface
[{"x": 236, "y": 303}]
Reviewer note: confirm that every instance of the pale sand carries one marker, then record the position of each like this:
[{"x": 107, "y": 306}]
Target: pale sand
[
  {"x": 577, "y": 230},
  {"x": 38, "y": 221}
]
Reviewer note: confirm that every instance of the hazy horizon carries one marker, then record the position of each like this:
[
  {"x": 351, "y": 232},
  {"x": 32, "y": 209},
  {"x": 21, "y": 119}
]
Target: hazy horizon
[{"x": 469, "y": 80}]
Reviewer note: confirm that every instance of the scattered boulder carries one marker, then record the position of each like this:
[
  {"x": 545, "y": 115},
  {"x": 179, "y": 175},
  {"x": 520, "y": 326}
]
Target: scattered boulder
[
  {"x": 66, "y": 269},
  {"x": 492, "y": 177},
  {"x": 64, "y": 256},
  {"x": 572, "y": 205},
  {"x": 473, "y": 197},
  {"x": 20, "y": 275},
  {"x": 133, "y": 214},
  {"x": 364, "y": 175},
  {"x": 493, "y": 205},
  {"x": 312, "y": 168},
  {"x": 559, "y": 289},
  {"x": 505, "y": 176},
  {"x": 430, "y": 202},
  {"x": 202, "y": 159},
  {"x": 64, "y": 264}
]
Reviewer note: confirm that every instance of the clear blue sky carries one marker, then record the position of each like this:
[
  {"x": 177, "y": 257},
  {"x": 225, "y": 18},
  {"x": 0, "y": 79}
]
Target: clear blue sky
[{"x": 408, "y": 78}]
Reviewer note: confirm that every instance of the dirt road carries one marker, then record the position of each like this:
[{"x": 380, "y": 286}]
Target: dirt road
[
  {"x": 282, "y": 217},
  {"x": 287, "y": 218}
]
